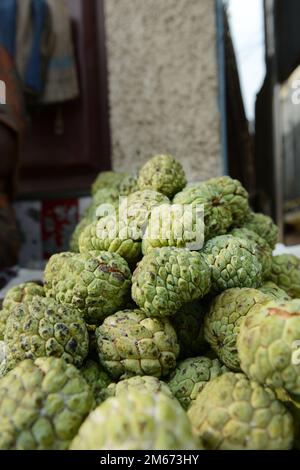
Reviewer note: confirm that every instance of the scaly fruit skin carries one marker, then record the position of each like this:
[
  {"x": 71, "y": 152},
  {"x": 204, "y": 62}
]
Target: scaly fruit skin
[
  {"x": 128, "y": 185},
  {"x": 136, "y": 421},
  {"x": 96, "y": 283},
  {"x": 42, "y": 405},
  {"x": 274, "y": 291},
  {"x": 163, "y": 174},
  {"x": 233, "y": 413},
  {"x": 104, "y": 202},
  {"x": 97, "y": 379},
  {"x": 43, "y": 327},
  {"x": 285, "y": 272},
  {"x": 267, "y": 343},
  {"x": 222, "y": 323},
  {"x": 264, "y": 226},
  {"x": 217, "y": 213},
  {"x": 235, "y": 196},
  {"x": 174, "y": 225},
  {"x": 14, "y": 296},
  {"x": 190, "y": 377},
  {"x": 140, "y": 383},
  {"x": 233, "y": 263},
  {"x": 108, "y": 179},
  {"x": 167, "y": 278},
  {"x": 130, "y": 343},
  {"x": 107, "y": 234},
  {"x": 135, "y": 211},
  {"x": 189, "y": 326},
  {"x": 264, "y": 252}
]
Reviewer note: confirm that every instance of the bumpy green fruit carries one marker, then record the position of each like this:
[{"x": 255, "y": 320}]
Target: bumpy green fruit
[
  {"x": 96, "y": 283},
  {"x": 190, "y": 377},
  {"x": 130, "y": 343},
  {"x": 274, "y": 291},
  {"x": 167, "y": 278},
  {"x": 136, "y": 421},
  {"x": 268, "y": 345},
  {"x": 128, "y": 185},
  {"x": 222, "y": 323},
  {"x": 234, "y": 413},
  {"x": 264, "y": 251},
  {"x": 135, "y": 211},
  {"x": 141, "y": 383},
  {"x": 109, "y": 234},
  {"x": 97, "y": 379},
  {"x": 285, "y": 272},
  {"x": 233, "y": 263},
  {"x": 42, "y": 405},
  {"x": 189, "y": 326},
  {"x": 104, "y": 202},
  {"x": 217, "y": 213},
  {"x": 264, "y": 226},
  {"x": 108, "y": 179},
  {"x": 235, "y": 196},
  {"x": 43, "y": 327},
  {"x": 16, "y": 295},
  {"x": 174, "y": 225},
  {"x": 164, "y": 174}
]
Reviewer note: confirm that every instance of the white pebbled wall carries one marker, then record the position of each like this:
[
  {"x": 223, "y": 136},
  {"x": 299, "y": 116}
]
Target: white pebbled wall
[{"x": 163, "y": 83}]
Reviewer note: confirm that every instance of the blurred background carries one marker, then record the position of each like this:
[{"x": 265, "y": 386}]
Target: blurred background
[{"x": 87, "y": 86}]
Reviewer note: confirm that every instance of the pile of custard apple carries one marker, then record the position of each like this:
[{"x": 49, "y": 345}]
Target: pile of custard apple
[{"x": 154, "y": 335}]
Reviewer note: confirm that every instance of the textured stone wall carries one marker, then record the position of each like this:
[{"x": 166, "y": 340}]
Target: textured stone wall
[{"x": 163, "y": 83}]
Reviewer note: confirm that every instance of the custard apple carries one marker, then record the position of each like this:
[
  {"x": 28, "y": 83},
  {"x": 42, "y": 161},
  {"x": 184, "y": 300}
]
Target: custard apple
[
  {"x": 233, "y": 263},
  {"x": 108, "y": 179},
  {"x": 285, "y": 272},
  {"x": 174, "y": 225},
  {"x": 235, "y": 195},
  {"x": 190, "y": 377},
  {"x": 132, "y": 344},
  {"x": 138, "y": 420},
  {"x": 264, "y": 251},
  {"x": 16, "y": 295},
  {"x": 135, "y": 211},
  {"x": 234, "y": 413},
  {"x": 167, "y": 278},
  {"x": 96, "y": 283},
  {"x": 97, "y": 379},
  {"x": 189, "y": 326},
  {"x": 211, "y": 199},
  {"x": 109, "y": 234},
  {"x": 42, "y": 405},
  {"x": 222, "y": 323},
  {"x": 43, "y": 327},
  {"x": 164, "y": 174},
  {"x": 264, "y": 226},
  {"x": 140, "y": 383},
  {"x": 104, "y": 202},
  {"x": 268, "y": 345},
  {"x": 274, "y": 291}
]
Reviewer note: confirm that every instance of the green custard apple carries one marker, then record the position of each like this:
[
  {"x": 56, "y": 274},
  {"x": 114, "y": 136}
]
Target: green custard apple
[
  {"x": 169, "y": 277},
  {"x": 191, "y": 376},
  {"x": 285, "y": 272},
  {"x": 96, "y": 283},
  {"x": 129, "y": 343},
  {"x": 137, "y": 420},
  {"x": 42, "y": 405},
  {"x": 43, "y": 327},
  {"x": 233, "y": 262},
  {"x": 235, "y": 413},
  {"x": 164, "y": 174}
]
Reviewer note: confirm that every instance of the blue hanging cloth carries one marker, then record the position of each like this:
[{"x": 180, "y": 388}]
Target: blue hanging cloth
[{"x": 8, "y": 19}]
